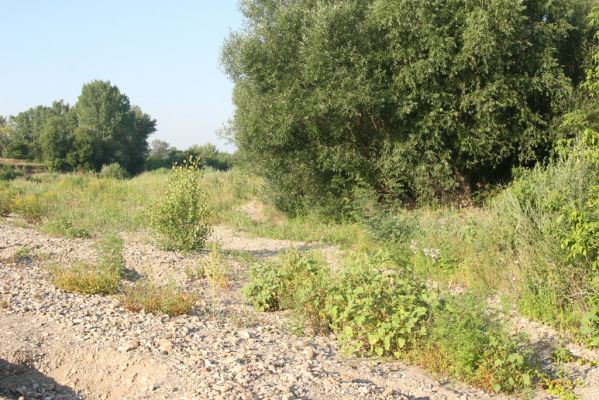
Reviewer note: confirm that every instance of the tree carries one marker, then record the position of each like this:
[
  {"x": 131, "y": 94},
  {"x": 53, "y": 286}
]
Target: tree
[
  {"x": 26, "y": 129},
  {"x": 57, "y": 142},
  {"x": 416, "y": 100},
  {"x": 110, "y": 130},
  {"x": 160, "y": 149}
]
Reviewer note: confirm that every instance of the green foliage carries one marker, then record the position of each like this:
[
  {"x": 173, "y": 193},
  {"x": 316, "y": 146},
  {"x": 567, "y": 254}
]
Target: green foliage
[
  {"x": 415, "y": 100},
  {"x": 467, "y": 344},
  {"x": 163, "y": 155},
  {"x": 377, "y": 308},
  {"x": 103, "y": 277},
  {"x": 553, "y": 215},
  {"x": 590, "y": 319},
  {"x": 285, "y": 283},
  {"x": 180, "y": 218},
  {"x": 114, "y": 171},
  {"x": 7, "y": 173},
  {"x": 149, "y": 297},
  {"x": 102, "y": 128}
]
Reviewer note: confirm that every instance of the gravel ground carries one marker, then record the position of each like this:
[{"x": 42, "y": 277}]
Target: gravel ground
[{"x": 57, "y": 345}]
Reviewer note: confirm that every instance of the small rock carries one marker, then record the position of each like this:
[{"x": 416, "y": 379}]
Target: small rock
[
  {"x": 310, "y": 354},
  {"x": 130, "y": 345},
  {"x": 165, "y": 346}
]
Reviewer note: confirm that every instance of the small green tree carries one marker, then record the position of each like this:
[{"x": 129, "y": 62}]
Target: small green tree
[{"x": 180, "y": 218}]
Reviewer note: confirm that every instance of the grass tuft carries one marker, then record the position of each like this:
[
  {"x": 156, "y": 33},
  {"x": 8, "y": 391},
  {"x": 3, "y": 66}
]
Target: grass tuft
[
  {"x": 147, "y": 296},
  {"x": 101, "y": 278}
]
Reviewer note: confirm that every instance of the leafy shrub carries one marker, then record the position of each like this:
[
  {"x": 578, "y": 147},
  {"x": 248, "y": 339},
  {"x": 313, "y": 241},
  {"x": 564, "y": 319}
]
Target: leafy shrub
[
  {"x": 467, "y": 344},
  {"x": 151, "y": 298},
  {"x": 31, "y": 207},
  {"x": 293, "y": 281},
  {"x": 377, "y": 308},
  {"x": 179, "y": 219},
  {"x": 100, "y": 278},
  {"x": 114, "y": 171}
]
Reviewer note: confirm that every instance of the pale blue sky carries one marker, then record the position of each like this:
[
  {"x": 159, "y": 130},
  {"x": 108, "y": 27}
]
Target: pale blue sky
[{"x": 163, "y": 55}]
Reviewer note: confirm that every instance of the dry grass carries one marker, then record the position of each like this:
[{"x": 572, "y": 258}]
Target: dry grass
[
  {"x": 101, "y": 278},
  {"x": 86, "y": 279},
  {"x": 147, "y": 296}
]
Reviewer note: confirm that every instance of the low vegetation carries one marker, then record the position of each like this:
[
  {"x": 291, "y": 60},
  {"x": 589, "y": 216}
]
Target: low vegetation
[
  {"x": 147, "y": 296},
  {"x": 468, "y": 177},
  {"x": 102, "y": 277},
  {"x": 180, "y": 218},
  {"x": 380, "y": 308}
]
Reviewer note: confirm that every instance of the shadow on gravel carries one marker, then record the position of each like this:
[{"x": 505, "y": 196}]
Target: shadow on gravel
[
  {"x": 22, "y": 381},
  {"x": 131, "y": 275}
]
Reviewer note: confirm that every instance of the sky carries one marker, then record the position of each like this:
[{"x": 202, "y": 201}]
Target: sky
[{"x": 163, "y": 55}]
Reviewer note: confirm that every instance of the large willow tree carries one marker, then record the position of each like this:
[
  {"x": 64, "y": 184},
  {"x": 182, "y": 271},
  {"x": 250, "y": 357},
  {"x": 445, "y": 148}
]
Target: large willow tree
[{"x": 414, "y": 99}]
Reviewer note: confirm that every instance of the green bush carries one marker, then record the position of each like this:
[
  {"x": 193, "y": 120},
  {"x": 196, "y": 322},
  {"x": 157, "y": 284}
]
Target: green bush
[
  {"x": 293, "y": 281},
  {"x": 180, "y": 218},
  {"x": 467, "y": 344},
  {"x": 114, "y": 171},
  {"x": 377, "y": 308}
]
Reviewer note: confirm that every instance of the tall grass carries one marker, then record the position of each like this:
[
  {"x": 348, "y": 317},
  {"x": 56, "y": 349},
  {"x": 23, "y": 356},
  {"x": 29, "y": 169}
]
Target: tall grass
[{"x": 87, "y": 203}]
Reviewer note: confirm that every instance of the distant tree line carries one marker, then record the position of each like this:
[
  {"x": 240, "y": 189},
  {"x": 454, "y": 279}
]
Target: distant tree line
[
  {"x": 100, "y": 129},
  {"x": 414, "y": 100},
  {"x": 163, "y": 155}
]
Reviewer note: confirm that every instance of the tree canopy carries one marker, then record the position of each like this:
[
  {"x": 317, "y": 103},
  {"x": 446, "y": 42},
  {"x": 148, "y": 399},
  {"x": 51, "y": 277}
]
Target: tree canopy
[
  {"x": 102, "y": 128},
  {"x": 416, "y": 100}
]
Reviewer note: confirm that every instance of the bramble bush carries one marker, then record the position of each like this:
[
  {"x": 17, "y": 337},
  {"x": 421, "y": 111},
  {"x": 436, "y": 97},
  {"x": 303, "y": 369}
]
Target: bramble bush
[
  {"x": 466, "y": 343},
  {"x": 180, "y": 218},
  {"x": 377, "y": 307}
]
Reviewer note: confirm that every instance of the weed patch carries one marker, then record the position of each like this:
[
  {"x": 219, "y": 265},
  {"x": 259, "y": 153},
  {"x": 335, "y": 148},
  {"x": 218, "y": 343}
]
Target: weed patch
[
  {"x": 100, "y": 278},
  {"x": 31, "y": 207},
  {"x": 147, "y": 296}
]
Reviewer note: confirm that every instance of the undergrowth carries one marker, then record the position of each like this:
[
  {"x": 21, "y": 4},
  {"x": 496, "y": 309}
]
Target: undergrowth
[{"x": 376, "y": 307}]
